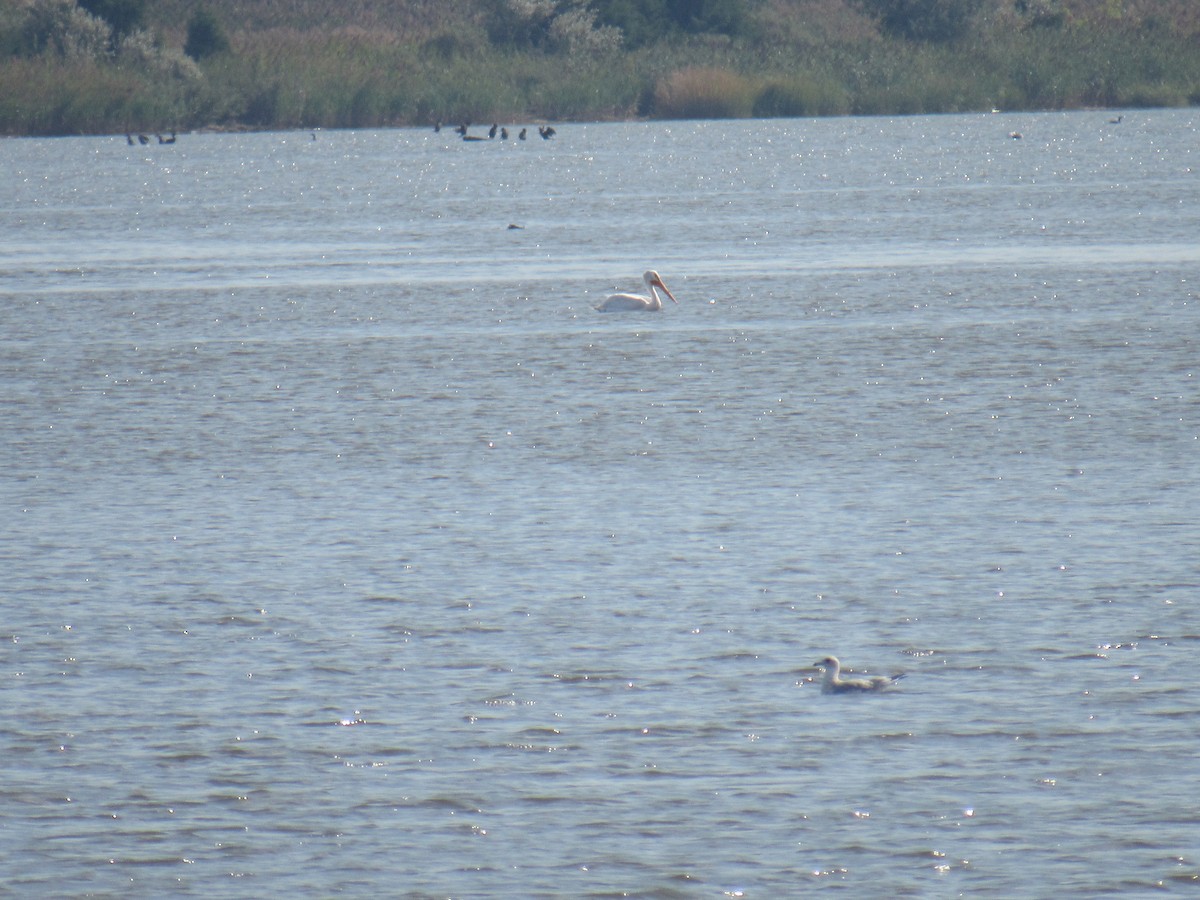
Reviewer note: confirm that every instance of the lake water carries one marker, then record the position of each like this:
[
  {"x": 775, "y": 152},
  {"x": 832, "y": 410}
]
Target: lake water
[{"x": 345, "y": 548}]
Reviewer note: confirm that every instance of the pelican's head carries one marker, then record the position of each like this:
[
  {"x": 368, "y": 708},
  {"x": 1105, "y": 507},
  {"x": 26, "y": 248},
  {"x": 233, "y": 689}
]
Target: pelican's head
[{"x": 653, "y": 280}]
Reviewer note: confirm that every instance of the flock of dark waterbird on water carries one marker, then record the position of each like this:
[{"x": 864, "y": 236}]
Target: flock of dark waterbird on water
[
  {"x": 544, "y": 131},
  {"x": 144, "y": 139}
]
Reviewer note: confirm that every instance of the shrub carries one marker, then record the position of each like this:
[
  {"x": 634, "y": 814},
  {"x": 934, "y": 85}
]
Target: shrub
[
  {"x": 700, "y": 92},
  {"x": 139, "y": 51},
  {"x": 575, "y": 31},
  {"x": 451, "y": 44},
  {"x": 800, "y": 96}
]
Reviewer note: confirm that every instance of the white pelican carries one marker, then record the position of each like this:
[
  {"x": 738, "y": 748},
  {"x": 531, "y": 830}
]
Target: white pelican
[
  {"x": 834, "y": 683},
  {"x": 639, "y": 302}
]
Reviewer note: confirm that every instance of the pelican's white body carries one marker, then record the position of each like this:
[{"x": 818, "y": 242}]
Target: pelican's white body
[{"x": 639, "y": 302}]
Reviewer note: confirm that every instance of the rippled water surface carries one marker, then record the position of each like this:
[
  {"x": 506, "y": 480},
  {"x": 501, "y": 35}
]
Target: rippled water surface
[{"x": 346, "y": 550}]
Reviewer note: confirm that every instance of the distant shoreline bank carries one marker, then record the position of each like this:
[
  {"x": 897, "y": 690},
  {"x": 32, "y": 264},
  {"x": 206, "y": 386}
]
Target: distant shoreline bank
[{"x": 792, "y": 60}]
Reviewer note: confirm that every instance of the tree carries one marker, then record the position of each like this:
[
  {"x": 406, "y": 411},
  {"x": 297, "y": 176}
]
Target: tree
[
  {"x": 641, "y": 22},
  {"x": 205, "y": 36},
  {"x": 123, "y": 16},
  {"x": 567, "y": 26},
  {"x": 61, "y": 28},
  {"x": 520, "y": 23},
  {"x": 645, "y": 21},
  {"x": 934, "y": 21},
  {"x": 708, "y": 16}
]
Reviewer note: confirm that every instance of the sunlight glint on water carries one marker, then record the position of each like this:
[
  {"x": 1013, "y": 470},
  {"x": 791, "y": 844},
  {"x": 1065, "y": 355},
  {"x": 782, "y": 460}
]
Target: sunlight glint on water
[{"x": 347, "y": 549}]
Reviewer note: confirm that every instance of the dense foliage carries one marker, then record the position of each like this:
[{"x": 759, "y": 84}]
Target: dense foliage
[
  {"x": 205, "y": 36},
  {"x": 925, "y": 20},
  {"x": 645, "y": 21},
  {"x": 122, "y": 16},
  {"x": 69, "y": 66}
]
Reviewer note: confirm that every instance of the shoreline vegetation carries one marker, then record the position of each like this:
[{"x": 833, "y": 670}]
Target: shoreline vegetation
[{"x": 120, "y": 66}]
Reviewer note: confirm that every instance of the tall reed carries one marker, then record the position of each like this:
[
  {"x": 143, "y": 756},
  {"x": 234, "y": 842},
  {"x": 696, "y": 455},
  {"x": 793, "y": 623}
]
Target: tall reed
[{"x": 703, "y": 92}]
